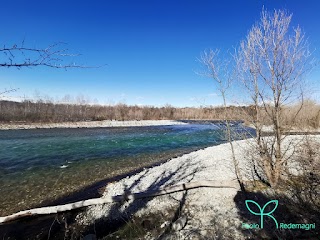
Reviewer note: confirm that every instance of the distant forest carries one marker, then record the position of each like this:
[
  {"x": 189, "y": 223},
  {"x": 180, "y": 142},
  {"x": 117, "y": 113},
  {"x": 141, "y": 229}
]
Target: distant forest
[
  {"x": 48, "y": 112},
  {"x": 41, "y": 111}
]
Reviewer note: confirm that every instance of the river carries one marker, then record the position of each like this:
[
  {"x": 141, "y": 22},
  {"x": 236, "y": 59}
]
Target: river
[{"x": 44, "y": 164}]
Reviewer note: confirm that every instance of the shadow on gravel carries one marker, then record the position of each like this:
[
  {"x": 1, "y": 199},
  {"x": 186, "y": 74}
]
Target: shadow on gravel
[
  {"x": 120, "y": 221},
  {"x": 287, "y": 211}
]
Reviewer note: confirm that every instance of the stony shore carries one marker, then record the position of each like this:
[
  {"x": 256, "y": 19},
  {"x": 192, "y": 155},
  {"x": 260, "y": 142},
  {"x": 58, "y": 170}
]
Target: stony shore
[
  {"x": 90, "y": 124},
  {"x": 207, "y": 210}
]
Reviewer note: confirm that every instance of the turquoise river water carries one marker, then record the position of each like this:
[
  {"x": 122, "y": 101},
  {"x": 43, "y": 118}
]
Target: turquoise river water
[{"x": 42, "y": 164}]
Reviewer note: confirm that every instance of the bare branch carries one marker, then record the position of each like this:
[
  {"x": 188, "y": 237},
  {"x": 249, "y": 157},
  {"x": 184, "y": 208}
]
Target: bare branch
[
  {"x": 52, "y": 56},
  {"x": 8, "y": 91}
]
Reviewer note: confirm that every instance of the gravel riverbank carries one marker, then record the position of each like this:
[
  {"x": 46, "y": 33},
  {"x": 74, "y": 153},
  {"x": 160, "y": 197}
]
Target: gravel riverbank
[
  {"x": 204, "y": 204},
  {"x": 208, "y": 210},
  {"x": 90, "y": 124}
]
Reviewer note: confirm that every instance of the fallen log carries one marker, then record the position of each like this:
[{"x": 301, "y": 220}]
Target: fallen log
[{"x": 118, "y": 198}]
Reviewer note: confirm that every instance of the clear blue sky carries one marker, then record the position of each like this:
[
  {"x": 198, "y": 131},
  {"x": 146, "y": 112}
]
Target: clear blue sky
[{"x": 150, "y": 46}]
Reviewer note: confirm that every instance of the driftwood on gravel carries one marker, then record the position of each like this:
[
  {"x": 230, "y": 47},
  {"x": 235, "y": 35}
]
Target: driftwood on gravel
[{"x": 118, "y": 198}]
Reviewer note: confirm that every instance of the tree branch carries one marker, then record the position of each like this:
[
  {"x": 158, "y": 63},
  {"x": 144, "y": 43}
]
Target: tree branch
[
  {"x": 118, "y": 198},
  {"x": 52, "y": 56}
]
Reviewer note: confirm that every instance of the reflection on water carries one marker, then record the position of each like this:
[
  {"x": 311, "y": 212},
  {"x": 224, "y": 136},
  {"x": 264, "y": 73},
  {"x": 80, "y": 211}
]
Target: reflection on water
[{"x": 39, "y": 164}]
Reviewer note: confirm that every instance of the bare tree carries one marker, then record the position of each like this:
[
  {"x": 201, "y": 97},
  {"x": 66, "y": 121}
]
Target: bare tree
[
  {"x": 271, "y": 64},
  {"x": 221, "y": 72}
]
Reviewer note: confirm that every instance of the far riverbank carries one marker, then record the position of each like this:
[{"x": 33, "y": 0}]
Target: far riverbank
[{"x": 90, "y": 124}]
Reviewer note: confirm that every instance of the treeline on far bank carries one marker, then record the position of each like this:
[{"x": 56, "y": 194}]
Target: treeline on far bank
[
  {"x": 46, "y": 111},
  {"x": 40, "y": 111}
]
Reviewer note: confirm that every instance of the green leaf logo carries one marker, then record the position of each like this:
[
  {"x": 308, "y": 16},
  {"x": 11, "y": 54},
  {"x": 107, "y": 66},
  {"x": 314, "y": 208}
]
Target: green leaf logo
[{"x": 261, "y": 213}]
